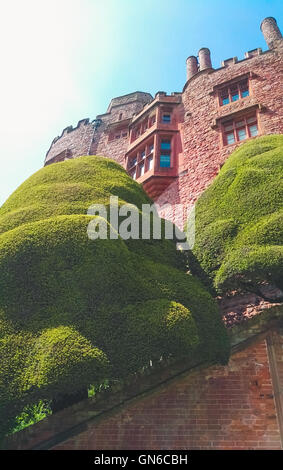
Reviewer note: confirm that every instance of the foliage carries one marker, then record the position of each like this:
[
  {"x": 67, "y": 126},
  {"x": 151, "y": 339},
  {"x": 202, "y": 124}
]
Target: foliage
[
  {"x": 31, "y": 414},
  {"x": 76, "y": 312},
  {"x": 239, "y": 218}
]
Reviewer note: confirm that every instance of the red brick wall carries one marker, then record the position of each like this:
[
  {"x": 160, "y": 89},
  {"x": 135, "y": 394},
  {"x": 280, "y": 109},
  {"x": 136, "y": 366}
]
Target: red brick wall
[
  {"x": 278, "y": 347},
  {"x": 228, "y": 407}
]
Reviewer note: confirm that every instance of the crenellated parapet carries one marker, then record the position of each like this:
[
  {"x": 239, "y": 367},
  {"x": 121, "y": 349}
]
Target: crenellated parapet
[
  {"x": 106, "y": 135},
  {"x": 72, "y": 142}
]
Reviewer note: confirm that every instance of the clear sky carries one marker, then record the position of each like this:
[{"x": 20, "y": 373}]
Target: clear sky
[{"x": 63, "y": 60}]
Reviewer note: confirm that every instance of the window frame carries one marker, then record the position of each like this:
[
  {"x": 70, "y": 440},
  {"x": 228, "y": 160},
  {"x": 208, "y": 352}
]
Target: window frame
[
  {"x": 166, "y": 121},
  {"x": 233, "y": 89},
  {"x": 145, "y": 157},
  {"x": 236, "y": 128},
  {"x": 165, "y": 151}
]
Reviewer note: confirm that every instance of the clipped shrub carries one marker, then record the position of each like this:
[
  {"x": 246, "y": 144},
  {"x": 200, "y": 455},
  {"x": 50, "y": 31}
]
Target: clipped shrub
[
  {"x": 76, "y": 312},
  {"x": 239, "y": 219}
]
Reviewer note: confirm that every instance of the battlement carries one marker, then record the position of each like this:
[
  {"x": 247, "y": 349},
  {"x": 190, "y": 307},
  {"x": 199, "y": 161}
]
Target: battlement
[
  {"x": 202, "y": 62},
  {"x": 129, "y": 98},
  {"x": 79, "y": 140},
  {"x": 68, "y": 129}
]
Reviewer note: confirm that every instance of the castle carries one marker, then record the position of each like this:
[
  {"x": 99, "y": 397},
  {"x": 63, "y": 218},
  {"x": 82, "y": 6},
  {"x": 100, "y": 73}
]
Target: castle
[{"x": 175, "y": 145}]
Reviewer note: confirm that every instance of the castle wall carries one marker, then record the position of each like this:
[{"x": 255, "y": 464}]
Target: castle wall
[
  {"x": 204, "y": 152},
  {"x": 105, "y": 142},
  {"x": 229, "y": 407},
  {"x": 95, "y": 138},
  {"x": 73, "y": 141}
]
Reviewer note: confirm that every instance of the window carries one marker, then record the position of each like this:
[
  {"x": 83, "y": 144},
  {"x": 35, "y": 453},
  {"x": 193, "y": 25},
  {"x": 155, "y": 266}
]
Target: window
[
  {"x": 143, "y": 154},
  {"x": 150, "y": 163},
  {"x": 239, "y": 129},
  {"x": 134, "y": 174},
  {"x": 166, "y": 118},
  {"x": 165, "y": 145},
  {"x": 234, "y": 92},
  {"x": 165, "y": 157},
  {"x": 142, "y": 169},
  {"x": 151, "y": 121},
  {"x": 133, "y": 161},
  {"x": 164, "y": 161},
  {"x": 151, "y": 147}
]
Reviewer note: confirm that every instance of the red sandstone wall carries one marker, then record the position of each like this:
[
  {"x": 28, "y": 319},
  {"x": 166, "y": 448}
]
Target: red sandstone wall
[
  {"x": 204, "y": 152},
  {"x": 228, "y": 407},
  {"x": 86, "y": 140},
  {"x": 77, "y": 141}
]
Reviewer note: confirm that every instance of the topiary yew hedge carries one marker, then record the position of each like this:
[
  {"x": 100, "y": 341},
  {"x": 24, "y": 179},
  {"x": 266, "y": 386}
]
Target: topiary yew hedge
[
  {"x": 75, "y": 311},
  {"x": 239, "y": 219}
]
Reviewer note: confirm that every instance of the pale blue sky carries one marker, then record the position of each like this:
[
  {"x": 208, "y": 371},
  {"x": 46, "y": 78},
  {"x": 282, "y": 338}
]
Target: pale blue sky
[{"x": 63, "y": 60}]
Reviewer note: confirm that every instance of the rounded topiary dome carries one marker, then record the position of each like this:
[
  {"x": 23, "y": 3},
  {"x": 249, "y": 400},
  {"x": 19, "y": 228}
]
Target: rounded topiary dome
[
  {"x": 75, "y": 311},
  {"x": 239, "y": 219}
]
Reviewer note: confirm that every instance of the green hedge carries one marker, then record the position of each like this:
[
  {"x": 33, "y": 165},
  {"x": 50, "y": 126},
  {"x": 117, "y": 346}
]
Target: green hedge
[
  {"x": 75, "y": 311},
  {"x": 239, "y": 219}
]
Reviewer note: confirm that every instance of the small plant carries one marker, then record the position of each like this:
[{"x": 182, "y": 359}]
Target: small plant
[
  {"x": 31, "y": 414},
  {"x": 94, "y": 389}
]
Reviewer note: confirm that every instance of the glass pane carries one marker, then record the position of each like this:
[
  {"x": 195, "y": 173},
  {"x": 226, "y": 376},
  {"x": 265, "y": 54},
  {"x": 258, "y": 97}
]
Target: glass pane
[
  {"x": 224, "y": 100},
  {"x": 152, "y": 121},
  {"x": 230, "y": 138},
  {"x": 150, "y": 163},
  {"x": 235, "y": 96},
  {"x": 244, "y": 85},
  {"x": 165, "y": 145},
  {"x": 134, "y": 174},
  {"x": 151, "y": 147},
  {"x": 165, "y": 161},
  {"x": 245, "y": 93},
  {"x": 240, "y": 123},
  {"x": 166, "y": 118},
  {"x": 241, "y": 134},
  {"x": 228, "y": 127},
  {"x": 251, "y": 119},
  {"x": 253, "y": 130},
  {"x": 143, "y": 154},
  {"x": 133, "y": 161},
  {"x": 142, "y": 169}
]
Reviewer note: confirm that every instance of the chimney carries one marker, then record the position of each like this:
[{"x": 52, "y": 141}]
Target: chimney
[
  {"x": 204, "y": 59},
  {"x": 192, "y": 66},
  {"x": 270, "y": 31}
]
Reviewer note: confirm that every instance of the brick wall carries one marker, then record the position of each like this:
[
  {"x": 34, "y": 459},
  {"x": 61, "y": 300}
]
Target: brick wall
[{"x": 228, "y": 407}]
